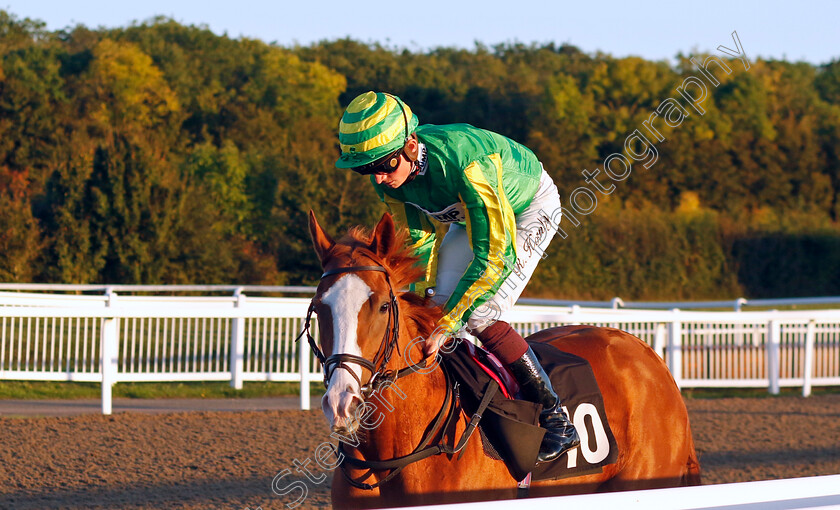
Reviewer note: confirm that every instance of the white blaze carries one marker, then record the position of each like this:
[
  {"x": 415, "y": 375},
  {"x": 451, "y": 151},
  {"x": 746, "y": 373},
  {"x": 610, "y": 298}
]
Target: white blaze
[{"x": 345, "y": 299}]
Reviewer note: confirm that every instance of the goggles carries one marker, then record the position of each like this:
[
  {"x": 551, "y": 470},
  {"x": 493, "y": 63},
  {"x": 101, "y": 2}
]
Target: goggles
[{"x": 385, "y": 165}]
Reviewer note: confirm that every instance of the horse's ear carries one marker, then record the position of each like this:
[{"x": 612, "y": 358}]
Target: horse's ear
[
  {"x": 321, "y": 240},
  {"x": 384, "y": 234}
]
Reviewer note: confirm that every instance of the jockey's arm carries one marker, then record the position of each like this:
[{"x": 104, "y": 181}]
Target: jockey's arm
[{"x": 491, "y": 227}]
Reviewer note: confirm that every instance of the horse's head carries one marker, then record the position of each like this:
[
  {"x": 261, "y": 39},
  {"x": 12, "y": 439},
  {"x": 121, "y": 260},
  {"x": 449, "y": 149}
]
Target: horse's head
[{"x": 361, "y": 313}]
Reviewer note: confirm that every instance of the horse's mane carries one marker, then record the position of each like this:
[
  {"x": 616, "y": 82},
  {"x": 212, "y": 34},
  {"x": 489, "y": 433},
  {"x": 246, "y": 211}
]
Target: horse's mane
[{"x": 399, "y": 259}]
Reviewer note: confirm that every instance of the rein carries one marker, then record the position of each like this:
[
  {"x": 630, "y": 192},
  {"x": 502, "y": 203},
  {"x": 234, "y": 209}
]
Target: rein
[{"x": 380, "y": 375}]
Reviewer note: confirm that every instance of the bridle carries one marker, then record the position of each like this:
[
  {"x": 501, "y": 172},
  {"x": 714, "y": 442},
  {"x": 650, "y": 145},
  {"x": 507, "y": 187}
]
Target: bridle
[
  {"x": 390, "y": 342},
  {"x": 380, "y": 375}
]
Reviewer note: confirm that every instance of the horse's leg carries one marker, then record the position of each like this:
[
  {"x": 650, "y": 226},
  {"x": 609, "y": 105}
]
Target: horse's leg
[
  {"x": 692, "y": 474},
  {"x": 345, "y": 495},
  {"x": 640, "y": 471},
  {"x": 448, "y": 479},
  {"x": 660, "y": 449}
]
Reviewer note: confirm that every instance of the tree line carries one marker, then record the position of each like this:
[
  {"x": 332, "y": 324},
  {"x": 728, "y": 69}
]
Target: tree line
[{"x": 163, "y": 153}]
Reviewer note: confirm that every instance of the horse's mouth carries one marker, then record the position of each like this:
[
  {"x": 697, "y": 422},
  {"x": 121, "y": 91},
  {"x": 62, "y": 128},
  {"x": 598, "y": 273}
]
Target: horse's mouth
[
  {"x": 348, "y": 428},
  {"x": 340, "y": 411}
]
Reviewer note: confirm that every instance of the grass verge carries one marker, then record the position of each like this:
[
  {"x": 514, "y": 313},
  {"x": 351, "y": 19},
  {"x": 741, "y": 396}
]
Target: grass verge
[
  {"x": 43, "y": 390},
  {"x": 754, "y": 392}
]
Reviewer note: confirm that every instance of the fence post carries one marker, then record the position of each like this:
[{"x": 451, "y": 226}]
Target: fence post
[
  {"x": 675, "y": 348},
  {"x": 109, "y": 353},
  {"x": 237, "y": 343},
  {"x": 773, "y": 347},
  {"x": 303, "y": 366},
  {"x": 659, "y": 336},
  {"x": 808, "y": 369},
  {"x": 573, "y": 313}
]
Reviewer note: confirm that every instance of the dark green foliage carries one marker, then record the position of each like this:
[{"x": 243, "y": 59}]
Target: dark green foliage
[
  {"x": 644, "y": 253},
  {"x": 792, "y": 265},
  {"x": 163, "y": 153}
]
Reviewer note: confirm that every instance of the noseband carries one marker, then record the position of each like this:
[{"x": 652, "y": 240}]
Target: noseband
[{"x": 390, "y": 341}]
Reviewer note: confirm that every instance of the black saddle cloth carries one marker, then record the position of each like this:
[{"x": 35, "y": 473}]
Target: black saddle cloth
[{"x": 512, "y": 426}]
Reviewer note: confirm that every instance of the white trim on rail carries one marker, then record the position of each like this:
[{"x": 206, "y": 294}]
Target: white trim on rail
[
  {"x": 734, "y": 304},
  {"x": 84, "y": 287},
  {"x": 615, "y": 303},
  {"x": 299, "y": 306}
]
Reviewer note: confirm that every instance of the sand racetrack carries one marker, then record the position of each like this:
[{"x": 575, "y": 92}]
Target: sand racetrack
[{"x": 228, "y": 460}]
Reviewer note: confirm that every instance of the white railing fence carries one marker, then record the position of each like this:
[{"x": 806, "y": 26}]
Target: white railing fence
[
  {"x": 809, "y": 492},
  {"x": 123, "y": 338}
]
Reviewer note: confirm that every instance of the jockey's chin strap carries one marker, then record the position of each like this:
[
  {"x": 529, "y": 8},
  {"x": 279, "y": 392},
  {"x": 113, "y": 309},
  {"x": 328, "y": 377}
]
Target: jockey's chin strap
[{"x": 379, "y": 375}]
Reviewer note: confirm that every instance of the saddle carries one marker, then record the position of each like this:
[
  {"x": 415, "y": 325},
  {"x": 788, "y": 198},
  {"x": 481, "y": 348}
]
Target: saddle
[{"x": 510, "y": 428}]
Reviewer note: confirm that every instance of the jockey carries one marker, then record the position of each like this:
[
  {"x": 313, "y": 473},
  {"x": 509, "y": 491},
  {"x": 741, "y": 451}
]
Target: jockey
[{"x": 481, "y": 211}]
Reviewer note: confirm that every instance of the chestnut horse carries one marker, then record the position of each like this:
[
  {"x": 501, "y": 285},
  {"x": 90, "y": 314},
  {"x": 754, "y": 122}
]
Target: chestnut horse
[{"x": 357, "y": 303}]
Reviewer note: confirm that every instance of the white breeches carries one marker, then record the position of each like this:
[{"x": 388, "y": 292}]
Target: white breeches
[{"x": 535, "y": 227}]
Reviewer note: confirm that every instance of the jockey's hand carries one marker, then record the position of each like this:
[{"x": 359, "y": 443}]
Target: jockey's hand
[{"x": 434, "y": 341}]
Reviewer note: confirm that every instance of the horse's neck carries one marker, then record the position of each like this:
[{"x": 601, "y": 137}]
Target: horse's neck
[{"x": 407, "y": 408}]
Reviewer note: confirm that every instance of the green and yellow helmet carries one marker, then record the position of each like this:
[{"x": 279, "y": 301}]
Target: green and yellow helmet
[{"x": 374, "y": 125}]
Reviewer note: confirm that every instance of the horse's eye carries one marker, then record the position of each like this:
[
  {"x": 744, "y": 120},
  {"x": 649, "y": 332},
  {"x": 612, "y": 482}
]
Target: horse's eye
[{"x": 384, "y": 308}]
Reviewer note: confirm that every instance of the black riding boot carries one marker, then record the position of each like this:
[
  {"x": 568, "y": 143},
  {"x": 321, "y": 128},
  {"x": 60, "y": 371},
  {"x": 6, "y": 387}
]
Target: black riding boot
[{"x": 536, "y": 387}]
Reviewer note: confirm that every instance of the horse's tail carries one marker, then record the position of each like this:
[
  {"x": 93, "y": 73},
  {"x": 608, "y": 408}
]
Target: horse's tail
[{"x": 692, "y": 465}]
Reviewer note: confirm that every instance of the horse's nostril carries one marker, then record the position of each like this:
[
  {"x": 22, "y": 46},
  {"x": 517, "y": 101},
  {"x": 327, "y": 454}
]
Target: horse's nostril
[{"x": 348, "y": 388}]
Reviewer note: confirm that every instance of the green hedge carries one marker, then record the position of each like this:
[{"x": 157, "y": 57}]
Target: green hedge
[{"x": 647, "y": 254}]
